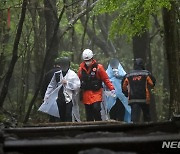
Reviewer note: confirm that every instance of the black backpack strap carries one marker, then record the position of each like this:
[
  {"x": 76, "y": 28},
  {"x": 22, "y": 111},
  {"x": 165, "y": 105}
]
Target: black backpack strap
[{"x": 57, "y": 76}]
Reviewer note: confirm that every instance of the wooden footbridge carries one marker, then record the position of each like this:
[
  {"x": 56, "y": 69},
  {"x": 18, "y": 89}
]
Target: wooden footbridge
[{"x": 109, "y": 137}]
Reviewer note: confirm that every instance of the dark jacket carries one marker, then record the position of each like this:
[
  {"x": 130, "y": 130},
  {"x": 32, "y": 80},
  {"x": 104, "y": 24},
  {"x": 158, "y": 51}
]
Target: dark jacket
[{"x": 137, "y": 83}]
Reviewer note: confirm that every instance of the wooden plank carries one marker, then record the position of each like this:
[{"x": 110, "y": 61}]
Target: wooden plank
[
  {"x": 150, "y": 144},
  {"x": 70, "y": 130}
]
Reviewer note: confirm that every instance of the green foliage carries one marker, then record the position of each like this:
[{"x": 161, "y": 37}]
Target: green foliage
[
  {"x": 132, "y": 17},
  {"x": 78, "y": 28}
]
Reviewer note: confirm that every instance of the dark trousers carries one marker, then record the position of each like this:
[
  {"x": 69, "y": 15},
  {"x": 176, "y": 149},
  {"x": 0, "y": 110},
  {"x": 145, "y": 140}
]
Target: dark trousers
[
  {"x": 65, "y": 109},
  {"x": 93, "y": 111},
  {"x": 136, "y": 111},
  {"x": 117, "y": 111}
]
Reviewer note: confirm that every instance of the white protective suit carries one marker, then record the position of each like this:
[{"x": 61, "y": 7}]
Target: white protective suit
[{"x": 71, "y": 90}]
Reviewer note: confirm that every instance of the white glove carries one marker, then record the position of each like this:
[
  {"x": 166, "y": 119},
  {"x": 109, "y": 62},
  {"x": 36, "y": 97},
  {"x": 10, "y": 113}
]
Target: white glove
[{"x": 113, "y": 93}]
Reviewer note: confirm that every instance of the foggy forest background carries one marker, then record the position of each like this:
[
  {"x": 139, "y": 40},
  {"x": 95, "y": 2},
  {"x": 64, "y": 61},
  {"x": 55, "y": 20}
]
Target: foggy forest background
[{"x": 34, "y": 33}]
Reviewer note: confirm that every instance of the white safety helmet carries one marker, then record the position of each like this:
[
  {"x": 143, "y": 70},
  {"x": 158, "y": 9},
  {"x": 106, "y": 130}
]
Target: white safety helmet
[{"x": 87, "y": 54}]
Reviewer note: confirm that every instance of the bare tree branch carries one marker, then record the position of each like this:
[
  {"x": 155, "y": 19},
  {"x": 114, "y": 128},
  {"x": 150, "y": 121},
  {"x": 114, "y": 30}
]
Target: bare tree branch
[{"x": 77, "y": 17}]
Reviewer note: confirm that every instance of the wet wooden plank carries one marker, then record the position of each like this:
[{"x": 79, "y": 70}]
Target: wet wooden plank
[
  {"x": 140, "y": 144},
  {"x": 73, "y": 130},
  {"x": 75, "y": 137}
]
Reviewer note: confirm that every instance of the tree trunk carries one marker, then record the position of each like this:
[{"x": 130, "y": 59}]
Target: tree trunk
[
  {"x": 38, "y": 22},
  {"x": 172, "y": 41},
  {"x": 165, "y": 90},
  {"x": 15, "y": 55},
  {"x": 39, "y": 39},
  {"x": 4, "y": 38},
  {"x": 140, "y": 47},
  {"x": 51, "y": 21},
  {"x": 2, "y": 65}
]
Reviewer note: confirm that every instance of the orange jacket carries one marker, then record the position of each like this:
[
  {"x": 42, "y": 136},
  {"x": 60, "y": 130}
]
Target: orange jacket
[{"x": 90, "y": 96}]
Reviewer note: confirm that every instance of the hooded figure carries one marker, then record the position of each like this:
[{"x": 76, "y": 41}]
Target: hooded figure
[
  {"x": 60, "y": 99},
  {"x": 119, "y": 103}
]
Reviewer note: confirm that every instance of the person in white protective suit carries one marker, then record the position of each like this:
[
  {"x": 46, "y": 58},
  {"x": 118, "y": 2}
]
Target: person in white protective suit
[
  {"x": 61, "y": 97},
  {"x": 117, "y": 107}
]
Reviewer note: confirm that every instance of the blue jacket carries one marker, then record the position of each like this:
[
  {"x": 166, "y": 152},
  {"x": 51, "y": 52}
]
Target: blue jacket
[{"x": 116, "y": 81}]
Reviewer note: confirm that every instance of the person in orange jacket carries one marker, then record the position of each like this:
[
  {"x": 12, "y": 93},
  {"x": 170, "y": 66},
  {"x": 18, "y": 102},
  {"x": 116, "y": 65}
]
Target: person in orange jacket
[
  {"x": 92, "y": 75},
  {"x": 136, "y": 85}
]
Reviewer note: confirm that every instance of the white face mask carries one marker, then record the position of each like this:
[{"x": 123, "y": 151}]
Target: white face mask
[
  {"x": 115, "y": 72},
  {"x": 88, "y": 63}
]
